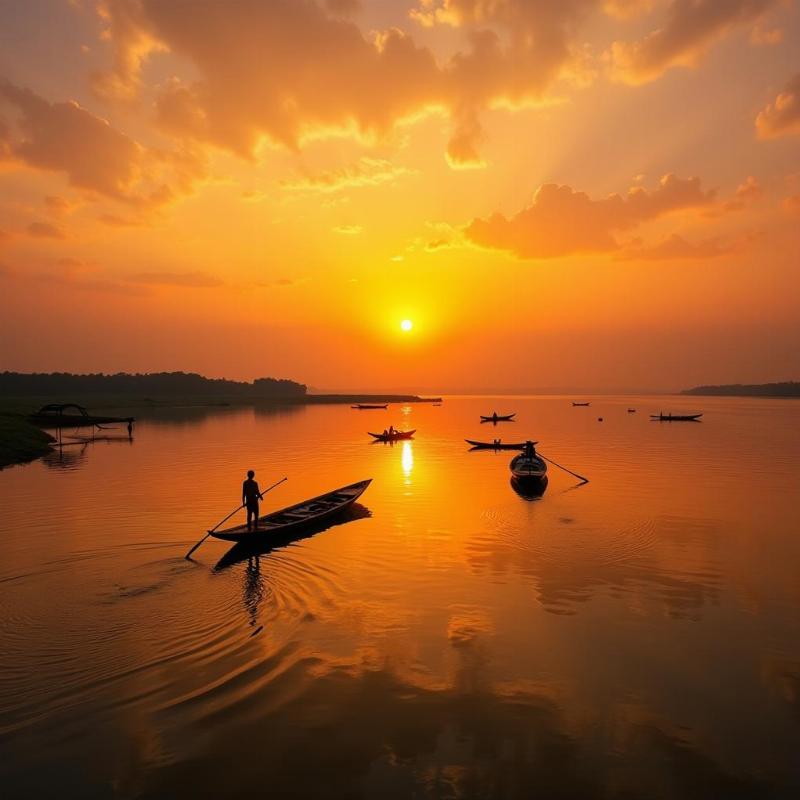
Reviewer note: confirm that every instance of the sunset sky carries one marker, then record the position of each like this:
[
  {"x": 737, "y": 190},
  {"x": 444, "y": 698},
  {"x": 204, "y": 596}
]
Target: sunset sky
[{"x": 598, "y": 194}]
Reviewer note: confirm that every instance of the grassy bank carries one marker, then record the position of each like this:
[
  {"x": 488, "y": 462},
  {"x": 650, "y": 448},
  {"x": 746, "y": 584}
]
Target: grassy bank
[{"x": 20, "y": 441}]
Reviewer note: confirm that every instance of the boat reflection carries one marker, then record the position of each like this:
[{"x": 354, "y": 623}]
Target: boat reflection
[
  {"x": 529, "y": 489},
  {"x": 244, "y": 551}
]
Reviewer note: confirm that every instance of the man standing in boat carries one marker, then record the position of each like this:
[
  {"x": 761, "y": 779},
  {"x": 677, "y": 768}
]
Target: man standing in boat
[{"x": 251, "y": 494}]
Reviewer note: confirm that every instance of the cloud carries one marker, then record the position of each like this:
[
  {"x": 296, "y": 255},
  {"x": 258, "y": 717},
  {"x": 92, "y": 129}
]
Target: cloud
[
  {"x": 675, "y": 248},
  {"x": 760, "y": 37},
  {"x": 627, "y": 9},
  {"x": 57, "y": 205},
  {"x": 690, "y": 28},
  {"x": 291, "y": 69},
  {"x": 349, "y": 230},
  {"x": 194, "y": 280},
  {"x": 782, "y": 116},
  {"x": 44, "y": 230},
  {"x": 563, "y": 222},
  {"x": 365, "y": 172},
  {"x": 65, "y": 137},
  {"x": 747, "y": 192},
  {"x": 791, "y": 204}
]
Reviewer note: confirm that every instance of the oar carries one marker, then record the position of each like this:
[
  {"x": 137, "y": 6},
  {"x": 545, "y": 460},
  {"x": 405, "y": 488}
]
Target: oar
[
  {"x": 231, "y": 514},
  {"x": 575, "y": 474}
]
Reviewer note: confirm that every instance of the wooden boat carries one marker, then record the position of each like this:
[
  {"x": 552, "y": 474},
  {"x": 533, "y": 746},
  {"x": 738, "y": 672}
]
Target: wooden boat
[
  {"x": 71, "y": 415},
  {"x": 676, "y": 417},
  {"x": 309, "y": 512},
  {"x": 369, "y": 406},
  {"x": 631, "y": 410},
  {"x": 498, "y": 417},
  {"x": 528, "y": 467},
  {"x": 580, "y": 404},
  {"x": 495, "y": 445},
  {"x": 393, "y": 437}
]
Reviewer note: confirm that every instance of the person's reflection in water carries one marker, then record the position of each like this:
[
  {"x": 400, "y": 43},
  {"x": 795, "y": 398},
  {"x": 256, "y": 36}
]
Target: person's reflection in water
[
  {"x": 250, "y": 497},
  {"x": 253, "y": 591}
]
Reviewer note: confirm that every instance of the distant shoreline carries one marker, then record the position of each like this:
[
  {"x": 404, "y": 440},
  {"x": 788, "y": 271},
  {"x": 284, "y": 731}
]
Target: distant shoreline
[{"x": 786, "y": 389}]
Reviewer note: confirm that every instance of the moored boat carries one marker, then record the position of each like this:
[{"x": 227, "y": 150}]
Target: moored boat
[
  {"x": 308, "y": 512},
  {"x": 528, "y": 465},
  {"x": 497, "y": 445},
  {"x": 580, "y": 404},
  {"x": 394, "y": 436},
  {"x": 369, "y": 406},
  {"x": 676, "y": 417},
  {"x": 498, "y": 417}
]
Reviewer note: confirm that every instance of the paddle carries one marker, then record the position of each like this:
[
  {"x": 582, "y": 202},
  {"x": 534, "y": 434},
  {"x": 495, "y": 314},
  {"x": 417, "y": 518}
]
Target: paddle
[
  {"x": 574, "y": 474},
  {"x": 230, "y": 515}
]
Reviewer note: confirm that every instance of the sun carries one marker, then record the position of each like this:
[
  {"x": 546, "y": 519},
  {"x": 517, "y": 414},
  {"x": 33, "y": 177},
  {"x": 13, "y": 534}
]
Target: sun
[{"x": 406, "y": 325}]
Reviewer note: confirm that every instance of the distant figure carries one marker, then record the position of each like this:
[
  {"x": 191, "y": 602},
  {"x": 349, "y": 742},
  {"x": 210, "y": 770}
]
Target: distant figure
[
  {"x": 130, "y": 428},
  {"x": 251, "y": 494},
  {"x": 494, "y": 416},
  {"x": 385, "y": 432},
  {"x": 530, "y": 450},
  {"x": 391, "y": 430}
]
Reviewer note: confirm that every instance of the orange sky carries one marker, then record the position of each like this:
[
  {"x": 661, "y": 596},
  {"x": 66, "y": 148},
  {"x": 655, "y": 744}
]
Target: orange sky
[{"x": 599, "y": 194}]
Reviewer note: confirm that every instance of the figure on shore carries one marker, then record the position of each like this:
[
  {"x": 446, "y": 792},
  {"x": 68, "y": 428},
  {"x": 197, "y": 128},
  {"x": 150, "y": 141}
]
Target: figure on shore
[{"x": 251, "y": 494}]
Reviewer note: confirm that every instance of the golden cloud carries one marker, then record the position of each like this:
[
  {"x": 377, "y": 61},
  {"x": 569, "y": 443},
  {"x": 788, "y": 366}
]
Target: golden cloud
[
  {"x": 782, "y": 116},
  {"x": 563, "y": 222},
  {"x": 689, "y": 29}
]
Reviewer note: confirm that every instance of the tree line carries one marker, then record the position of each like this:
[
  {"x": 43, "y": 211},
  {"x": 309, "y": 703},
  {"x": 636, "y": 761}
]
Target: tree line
[{"x": 64, "y": 384}]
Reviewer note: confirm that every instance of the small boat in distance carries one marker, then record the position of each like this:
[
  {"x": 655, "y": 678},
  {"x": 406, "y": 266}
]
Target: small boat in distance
[
  {"x": 496, "y": 445},
  {"x": 495, "y": 417},
  {"x": 299, "y": 515},
  {"x": 369, "y": 406},
  {"x": 676, "y": 417},
  {"x": 528, "y": 466},
  {"x": 394, "y": 436},
  {"x": 580, "y": 404},
  {"x": 631, "y": 410}
]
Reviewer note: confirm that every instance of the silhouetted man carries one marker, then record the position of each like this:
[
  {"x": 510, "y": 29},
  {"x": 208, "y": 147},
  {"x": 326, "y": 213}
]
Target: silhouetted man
[{"x": 250, "y": 497}]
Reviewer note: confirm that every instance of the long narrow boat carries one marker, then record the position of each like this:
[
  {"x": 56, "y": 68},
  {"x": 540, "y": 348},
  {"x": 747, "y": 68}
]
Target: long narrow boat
[
  {"x": 495, "y": 445},
  {"x": 309, "y": 512},
  {"x": 369, "y": 406},
  {"x": 580, "y": 404},
  {"x": 525, "y": 467},
  {"x": 393, "y": 437},
  {"x": 498, "y": 417},
  {"x": 676, "y": 417}
]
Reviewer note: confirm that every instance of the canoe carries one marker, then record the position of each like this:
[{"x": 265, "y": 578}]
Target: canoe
[
  {"x": 497, "y": 446},
  {"x": 631, "y": 410},
  {"x": 393, "y": 437},
  {"x": 529, "y": 489},
  {"x": 676, "y": 417},
  {"x": 368, "y": 406},
  {"x": 525, "y": 468},
  {"x": 581, "y": 404},
  {"x": 498, "y": 418},
  {"x": 309, "y": 512}
]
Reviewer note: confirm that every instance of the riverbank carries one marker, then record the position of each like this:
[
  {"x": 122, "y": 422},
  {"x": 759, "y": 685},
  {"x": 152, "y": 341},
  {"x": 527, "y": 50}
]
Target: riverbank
[{"x": 20, "y": 441}]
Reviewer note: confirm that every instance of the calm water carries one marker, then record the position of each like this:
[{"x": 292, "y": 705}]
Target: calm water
[{"x": 638, "y": 636}]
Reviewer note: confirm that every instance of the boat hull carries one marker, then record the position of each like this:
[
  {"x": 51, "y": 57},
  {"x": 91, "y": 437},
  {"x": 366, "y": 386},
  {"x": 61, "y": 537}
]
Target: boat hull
[
  {"x": 301, "y": 515},
  {"x": 676, "y": 417},
  {"x": 493, "y": 446},
  {"x": 524, "y": 468},
  {"x": 394, "y": 437}
]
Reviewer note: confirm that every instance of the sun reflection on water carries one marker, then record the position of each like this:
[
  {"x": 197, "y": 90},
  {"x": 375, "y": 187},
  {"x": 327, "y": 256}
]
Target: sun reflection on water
[{"x": 407, "y": 460}]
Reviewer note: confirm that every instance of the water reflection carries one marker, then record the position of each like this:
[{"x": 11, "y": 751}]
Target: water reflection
[
  {"x": 532, "y": 489},
  {"x": 407, "y": 460}
]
